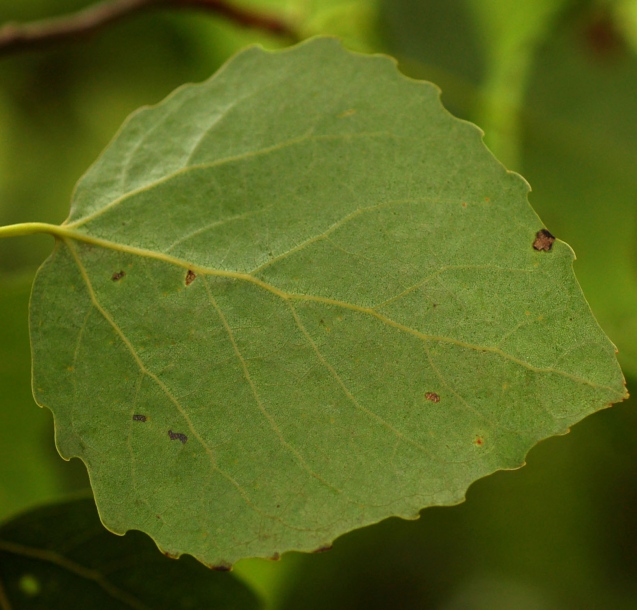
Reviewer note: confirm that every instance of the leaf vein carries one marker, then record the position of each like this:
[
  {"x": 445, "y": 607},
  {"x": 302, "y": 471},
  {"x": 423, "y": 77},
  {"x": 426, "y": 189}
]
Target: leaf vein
[
  {"x": 257, "y": 398},
  {"x": 217, "y": 163},
  {"x": 67, "y": 234},
  {"x": 349, "y": 395},
  {"x": 75, "y": 568},
  {"x": 166, "y": 391}
]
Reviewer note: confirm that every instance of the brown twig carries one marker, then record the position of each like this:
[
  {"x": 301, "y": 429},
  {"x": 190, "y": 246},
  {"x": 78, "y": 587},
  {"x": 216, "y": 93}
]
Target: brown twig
[{"x": 16, "y": 37}]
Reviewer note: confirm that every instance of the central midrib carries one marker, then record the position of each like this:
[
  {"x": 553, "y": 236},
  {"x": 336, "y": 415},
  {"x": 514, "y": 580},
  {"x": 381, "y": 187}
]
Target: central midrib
[{"x": 66, "y": 233}]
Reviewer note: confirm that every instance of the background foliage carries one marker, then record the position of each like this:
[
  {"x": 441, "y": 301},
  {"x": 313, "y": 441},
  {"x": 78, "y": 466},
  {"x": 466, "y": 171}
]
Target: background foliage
[{"x": 552, "y": 84}]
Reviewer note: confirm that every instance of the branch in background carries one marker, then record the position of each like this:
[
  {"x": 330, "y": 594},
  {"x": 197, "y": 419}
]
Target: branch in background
[{"x": 22, "y": 37}]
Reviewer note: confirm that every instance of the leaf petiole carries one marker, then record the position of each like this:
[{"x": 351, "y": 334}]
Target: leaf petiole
[{"x": 30, "y": 228}]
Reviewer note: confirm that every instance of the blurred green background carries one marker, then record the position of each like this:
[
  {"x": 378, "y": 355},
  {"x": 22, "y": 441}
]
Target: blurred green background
[{"x": 553, "y": 83}]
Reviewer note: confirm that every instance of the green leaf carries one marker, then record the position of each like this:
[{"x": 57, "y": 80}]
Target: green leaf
[
  {"x": 60, "y": 557},
  {"x": 300, "y": 298}
]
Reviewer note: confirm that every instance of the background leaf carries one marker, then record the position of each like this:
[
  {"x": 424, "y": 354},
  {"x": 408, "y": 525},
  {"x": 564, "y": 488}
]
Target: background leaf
[
  {"x": 61, "y": 557},
  {"x": 279, "y": 311}
]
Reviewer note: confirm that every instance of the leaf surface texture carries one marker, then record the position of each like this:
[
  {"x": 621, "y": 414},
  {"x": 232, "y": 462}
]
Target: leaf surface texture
[{"x": 297, "y": 299}]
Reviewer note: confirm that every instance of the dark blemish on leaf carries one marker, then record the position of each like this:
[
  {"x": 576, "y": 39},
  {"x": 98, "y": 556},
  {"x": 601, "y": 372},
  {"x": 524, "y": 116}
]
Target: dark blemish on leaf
[
  {"x": 543, "y": 240},
  {"x": 325, "y": 326},
  {"x": 177, "y": 436},
  {"x": 464, "y": 204},
  {"x": 140, "y": 418},
  {"x": 432, "y": 396},
  {"x": 171, "y": 555},
  {"x": 323, "y": 549},
  {"x": 275, "y": 557},
  {"x": 222, "y": 567},
  {"x": 191, "y": 276},
  {"x": 118, "y": 276},
  {"x": 479, "y": 441},
  {"x": 435, "y": 305}
]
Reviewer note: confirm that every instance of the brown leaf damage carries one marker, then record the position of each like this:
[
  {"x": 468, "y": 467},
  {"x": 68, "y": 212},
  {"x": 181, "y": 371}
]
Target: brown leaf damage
[
  {"x": 543, "y": 240},
  {"x": 177, "y": 436}
]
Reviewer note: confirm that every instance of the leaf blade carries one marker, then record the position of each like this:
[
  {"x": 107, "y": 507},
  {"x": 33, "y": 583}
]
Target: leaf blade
[{"x": 341, "y": 277}]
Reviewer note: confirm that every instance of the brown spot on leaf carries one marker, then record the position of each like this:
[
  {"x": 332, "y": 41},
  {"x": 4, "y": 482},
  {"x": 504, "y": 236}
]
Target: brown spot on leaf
[
  {"x": 464, "y": 204},
  {"x": 432, "y": 396},
  {"x": 177, "y": 436},
  {"x": 140, "y": 418},
  {"x": 275, "y": 557},
  {"x": 118, "y": 275},
  {"x": 171, "y": 555},
  {"x": 479, "y": 441},
  {"x": 543, "y": 240},
  {"x": 222, "y": 567},
  {"x": 191, "y": 276},
  {"x": 323, "y": 549}
]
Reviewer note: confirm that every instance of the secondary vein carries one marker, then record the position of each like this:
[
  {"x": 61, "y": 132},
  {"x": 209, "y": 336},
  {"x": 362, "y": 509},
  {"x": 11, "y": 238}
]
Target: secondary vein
[
  {"x": 74, "y": 568},
  {"x": 142, "y": 367}
]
